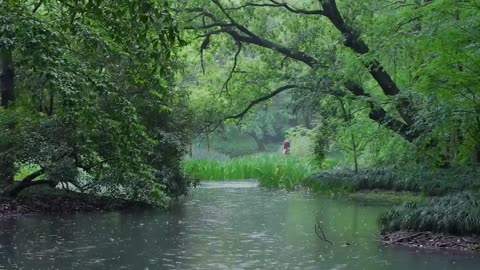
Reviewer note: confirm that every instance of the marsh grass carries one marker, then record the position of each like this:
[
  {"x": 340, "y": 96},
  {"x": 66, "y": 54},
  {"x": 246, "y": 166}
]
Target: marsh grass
[
  {"x": 457, "y": 214},
  {"x": 428, "y": 181},
  {"x": 271, "y": 170}
]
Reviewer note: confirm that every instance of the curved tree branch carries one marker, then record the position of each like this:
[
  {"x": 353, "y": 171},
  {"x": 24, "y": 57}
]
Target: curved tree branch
[
  {"x": 261, "y": 99},
  {"x": 235, "y": 60},
  {"x": 277, "y": 4},
  {"x": 352, "y": 40}
]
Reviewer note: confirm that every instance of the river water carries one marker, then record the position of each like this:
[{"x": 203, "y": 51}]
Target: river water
[{"x": 220, "y": 226}]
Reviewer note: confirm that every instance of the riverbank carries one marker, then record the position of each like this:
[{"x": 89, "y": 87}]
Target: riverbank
[
  {"x": 58, "y": 202},
  {"x": 430, "y": 240},
  {"x": 451, "y": 221}
]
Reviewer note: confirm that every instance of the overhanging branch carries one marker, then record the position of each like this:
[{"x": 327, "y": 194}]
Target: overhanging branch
[
  {"x": 277, "y": 4},
  {"x": 261, "y": 99},
  {"x": 232, "y": 71}
]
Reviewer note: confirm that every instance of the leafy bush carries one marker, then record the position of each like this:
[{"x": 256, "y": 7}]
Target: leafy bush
[
  {"x": 80, "y": 117},
  {"x": 457, "y": 213}
]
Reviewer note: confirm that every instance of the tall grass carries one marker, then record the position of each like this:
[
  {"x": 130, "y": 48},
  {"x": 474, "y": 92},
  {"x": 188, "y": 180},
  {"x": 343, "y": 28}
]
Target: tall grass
[
  {"x": 271, "y": 170},
  {"x": 420, "y": 179},
  {"x": 454, "y": 214}
]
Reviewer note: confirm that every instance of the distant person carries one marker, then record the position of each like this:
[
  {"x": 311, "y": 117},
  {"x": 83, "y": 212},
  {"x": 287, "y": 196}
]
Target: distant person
[{"x": 286, "y": 147}]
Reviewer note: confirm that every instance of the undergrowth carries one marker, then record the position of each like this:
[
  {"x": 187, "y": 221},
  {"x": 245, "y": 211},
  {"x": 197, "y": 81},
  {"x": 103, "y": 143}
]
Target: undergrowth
[
  {"x": 457, "y": 214},
  {"x": 428, "y": 181}
]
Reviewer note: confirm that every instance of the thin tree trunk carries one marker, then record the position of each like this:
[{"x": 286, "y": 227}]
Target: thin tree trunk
[
  {"x": 258, "y": 141},
  {"x": 190, "y": 149},
  {"x": 7, "y": 78},
  {"x": 355, "y": 154},
  {"x": 7, "y": 97},
  {"x": 208, "y": 142}
]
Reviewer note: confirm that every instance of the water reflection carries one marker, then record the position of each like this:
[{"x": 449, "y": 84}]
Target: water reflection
[{"x": 222, "y": 226}]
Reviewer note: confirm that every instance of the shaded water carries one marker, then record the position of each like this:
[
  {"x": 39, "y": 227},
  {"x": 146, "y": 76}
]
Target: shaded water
[{"x": 221, "y": 226}]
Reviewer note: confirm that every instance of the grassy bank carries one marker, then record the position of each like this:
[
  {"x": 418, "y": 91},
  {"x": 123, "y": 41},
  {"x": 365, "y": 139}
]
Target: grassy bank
[
  {"x": 457, "y": 214},
  {"x": 271, "y": 170},
  {"x": 428, "y": 181}
]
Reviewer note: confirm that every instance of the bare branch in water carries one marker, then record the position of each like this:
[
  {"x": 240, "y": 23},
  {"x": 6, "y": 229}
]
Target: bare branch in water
[{"x": 321, "y": 235}]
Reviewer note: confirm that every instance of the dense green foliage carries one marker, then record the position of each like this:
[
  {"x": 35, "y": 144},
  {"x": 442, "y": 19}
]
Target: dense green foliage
[
  {"x": 271, "y": 170},
  {"x": 420, "y": 179},
  {"x": 94, "y": 100},
  {"x": 379, "y": 83},
  {"x": 455, "y": 214}
]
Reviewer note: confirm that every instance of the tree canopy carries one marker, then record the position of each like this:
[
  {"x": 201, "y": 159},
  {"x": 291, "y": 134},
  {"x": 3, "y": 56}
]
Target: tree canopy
[
  {"x": 408, "y": 69},
  {"x": 88, "y": 96}
]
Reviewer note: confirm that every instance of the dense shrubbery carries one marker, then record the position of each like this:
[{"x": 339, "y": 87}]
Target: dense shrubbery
[
  {"x": 416, "y": 179},
  {"x": 457, "y": 213},
  {"x": 95, "y": 105}
]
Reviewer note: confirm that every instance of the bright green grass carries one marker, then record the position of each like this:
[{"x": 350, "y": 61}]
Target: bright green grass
[
  {"x": 25, "y": 170},
  {"x": 271, "y": 170}
]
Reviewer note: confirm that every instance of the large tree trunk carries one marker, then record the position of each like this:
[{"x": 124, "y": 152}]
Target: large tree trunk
[
  {"x": 7, "y": 97},
  {"x": 353, "y": 40}
]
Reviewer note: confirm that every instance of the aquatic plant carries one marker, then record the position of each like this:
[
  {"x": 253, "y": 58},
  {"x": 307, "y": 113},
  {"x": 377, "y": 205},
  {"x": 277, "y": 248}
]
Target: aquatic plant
[{"x": 271, "y": 170}]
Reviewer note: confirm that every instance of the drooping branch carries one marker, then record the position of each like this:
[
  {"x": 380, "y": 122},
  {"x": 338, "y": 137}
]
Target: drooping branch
[
  {"x": 232, "y": 71},
  {"x": 261, "y": 99},
  {"x": 203, "y": 47}
]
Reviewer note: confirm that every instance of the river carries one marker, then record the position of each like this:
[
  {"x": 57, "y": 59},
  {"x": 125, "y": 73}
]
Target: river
[{"x": 230, "y": 225}]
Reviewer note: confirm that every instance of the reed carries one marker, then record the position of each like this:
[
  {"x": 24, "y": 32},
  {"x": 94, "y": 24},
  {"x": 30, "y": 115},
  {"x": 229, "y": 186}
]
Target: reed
[{"x": 271, "y": 170}]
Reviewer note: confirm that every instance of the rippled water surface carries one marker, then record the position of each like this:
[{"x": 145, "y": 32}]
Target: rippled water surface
[{"x": 221, "y": 226}]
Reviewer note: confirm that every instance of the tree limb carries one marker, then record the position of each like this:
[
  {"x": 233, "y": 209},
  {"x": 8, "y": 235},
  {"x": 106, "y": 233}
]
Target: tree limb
[
  {"x": 280, "y": 5},
  {"x": 16, "y": 189},
  {"x": 261, "y": 99},
  {"x": 33, "y": 175},
  {"x": 352, "y": 40},
  {"x": 235, "y": 60}
]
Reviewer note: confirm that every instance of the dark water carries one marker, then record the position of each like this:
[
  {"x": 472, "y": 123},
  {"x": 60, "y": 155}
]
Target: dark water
[{"x": 229, "y": 227}]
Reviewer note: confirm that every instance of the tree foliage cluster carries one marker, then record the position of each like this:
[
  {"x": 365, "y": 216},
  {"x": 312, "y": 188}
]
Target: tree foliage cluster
[
  {"x": 88, "y": 97},
  {"x": 388, "y": 81}
]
